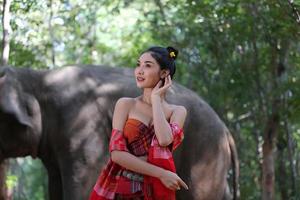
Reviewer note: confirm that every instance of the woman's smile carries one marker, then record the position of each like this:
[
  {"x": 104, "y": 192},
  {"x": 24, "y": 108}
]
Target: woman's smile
[{"x": 140, "y": 79}]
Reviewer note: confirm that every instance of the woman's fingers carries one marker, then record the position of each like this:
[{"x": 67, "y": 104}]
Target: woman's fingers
[
  {"x": 167, "y": 82},
  {"x": 158, "y": 85},
  {"x": 170, "y": 80},
  {"x": 178, "y": 184},
  {"x": 167, "y": 79},
  {"x": 176, "y": 187},
  {"x": 173, "y": 187},
  {"x": 172, "y": 181},
  {"x": 183, "y": 184}
]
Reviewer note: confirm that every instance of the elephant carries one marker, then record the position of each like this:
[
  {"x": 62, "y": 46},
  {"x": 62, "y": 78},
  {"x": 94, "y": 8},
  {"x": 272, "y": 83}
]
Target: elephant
[{"x": 64, "y": 117}]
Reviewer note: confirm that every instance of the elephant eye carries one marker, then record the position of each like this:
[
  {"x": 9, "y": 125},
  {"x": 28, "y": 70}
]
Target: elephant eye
[{"x": 28, "y": 110}]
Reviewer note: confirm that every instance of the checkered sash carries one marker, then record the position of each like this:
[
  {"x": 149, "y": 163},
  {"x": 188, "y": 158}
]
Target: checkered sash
[{"x": 162, "y": 157}]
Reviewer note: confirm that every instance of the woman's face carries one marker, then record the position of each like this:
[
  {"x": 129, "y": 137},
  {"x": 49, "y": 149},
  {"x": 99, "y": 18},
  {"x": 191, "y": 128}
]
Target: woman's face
[{"x": 147, "y": 71}]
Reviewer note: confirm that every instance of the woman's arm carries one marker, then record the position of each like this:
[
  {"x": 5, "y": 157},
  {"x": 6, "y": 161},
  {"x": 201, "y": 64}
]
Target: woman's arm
[
  {"x": 162, "y": 128},
  {"x": 169, "y": 179},
  {"x": 131, "y": 162}
]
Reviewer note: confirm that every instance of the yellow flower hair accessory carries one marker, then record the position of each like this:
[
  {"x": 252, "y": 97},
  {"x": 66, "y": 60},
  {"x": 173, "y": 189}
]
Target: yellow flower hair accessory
[{"x": 172, "y": 54}]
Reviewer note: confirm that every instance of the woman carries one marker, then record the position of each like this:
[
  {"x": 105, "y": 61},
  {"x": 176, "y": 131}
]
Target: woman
[{"x": 146, "y": 130}]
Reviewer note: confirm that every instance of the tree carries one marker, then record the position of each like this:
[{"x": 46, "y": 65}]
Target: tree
[{"x": 4, "y": 61}]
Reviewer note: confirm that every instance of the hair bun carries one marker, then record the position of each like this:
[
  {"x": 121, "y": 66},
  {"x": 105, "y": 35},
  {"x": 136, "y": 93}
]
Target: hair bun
[{"x": 173, "y": 53}]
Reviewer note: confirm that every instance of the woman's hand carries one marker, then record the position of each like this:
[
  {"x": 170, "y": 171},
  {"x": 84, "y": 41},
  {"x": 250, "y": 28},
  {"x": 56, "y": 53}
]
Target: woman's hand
[
  {"x": 172, "y": 181},
  {"x": 157, "y": 91}
]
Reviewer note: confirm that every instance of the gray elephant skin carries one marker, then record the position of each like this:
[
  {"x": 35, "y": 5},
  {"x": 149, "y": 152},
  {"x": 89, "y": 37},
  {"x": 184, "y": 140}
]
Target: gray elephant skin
[{"x": 64, "y": 118}]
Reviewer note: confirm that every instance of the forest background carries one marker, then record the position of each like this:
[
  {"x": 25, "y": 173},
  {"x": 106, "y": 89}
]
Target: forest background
[{"x": 241, "y": 56}]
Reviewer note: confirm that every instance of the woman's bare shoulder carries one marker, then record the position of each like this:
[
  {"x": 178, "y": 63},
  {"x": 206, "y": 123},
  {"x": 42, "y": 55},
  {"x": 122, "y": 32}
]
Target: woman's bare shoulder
[
  {"x": 126, "y": 101},
  {"x": 178, "y": 116},
  {"x": 122, "y": 108},
  {"x": 177, "y": 108}
]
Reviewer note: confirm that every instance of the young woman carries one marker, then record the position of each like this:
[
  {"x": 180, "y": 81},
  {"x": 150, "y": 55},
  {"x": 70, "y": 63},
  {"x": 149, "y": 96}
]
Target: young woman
[{"x": 146, "y": 130}]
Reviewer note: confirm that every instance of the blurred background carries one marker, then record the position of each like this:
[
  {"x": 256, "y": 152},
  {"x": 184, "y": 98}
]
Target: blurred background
[{"x": 241, "y": 56}]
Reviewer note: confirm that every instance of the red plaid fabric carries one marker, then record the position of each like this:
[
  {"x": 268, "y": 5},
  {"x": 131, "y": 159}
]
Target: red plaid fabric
[
  {"x": 139, "y": 145},
  {"x": 117, "y": 141},
  {"x": 162, "y": 157},
  {"x": 178, "y": 135},
  {"x": 106, "y": 184},
  {"x": 112, "y": 185}
]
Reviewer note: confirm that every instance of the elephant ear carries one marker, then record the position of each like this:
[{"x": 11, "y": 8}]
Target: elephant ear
[
  {"x": 10, "y": 102},
  {"x": 22, "y": 107}
]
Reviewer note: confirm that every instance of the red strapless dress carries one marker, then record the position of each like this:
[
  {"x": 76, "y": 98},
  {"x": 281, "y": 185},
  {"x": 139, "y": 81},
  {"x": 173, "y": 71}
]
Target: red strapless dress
[{"x": 116, "y": 182}]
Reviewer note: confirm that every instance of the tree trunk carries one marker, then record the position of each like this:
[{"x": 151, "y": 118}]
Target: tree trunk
[
  {"x": 52, "y": 39},
  {"x": 4, "y": 61},
  {"x": 268, "y": 170},
  {"x": 3, "y": 189},
  {"x": 282, "y": 178},
  {"x": 271, "y": 130},
  {"x": 6, "y": 30},
  {"x": 290, "y": 157}
]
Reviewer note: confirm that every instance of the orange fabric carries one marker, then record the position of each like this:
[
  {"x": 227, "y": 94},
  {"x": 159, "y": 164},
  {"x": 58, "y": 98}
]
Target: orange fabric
[{"x": 132, "y": 129}]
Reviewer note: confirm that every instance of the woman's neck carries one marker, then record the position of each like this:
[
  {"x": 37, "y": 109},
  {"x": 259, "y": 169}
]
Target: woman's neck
[{"x": 146, "y": 97}]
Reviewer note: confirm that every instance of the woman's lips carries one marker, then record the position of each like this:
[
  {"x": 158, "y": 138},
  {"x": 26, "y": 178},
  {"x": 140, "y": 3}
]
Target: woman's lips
[{"x": 140, "y": 79}]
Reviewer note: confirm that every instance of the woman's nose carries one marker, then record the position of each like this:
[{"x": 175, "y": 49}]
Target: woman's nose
[{"x": 140, "y": 70}]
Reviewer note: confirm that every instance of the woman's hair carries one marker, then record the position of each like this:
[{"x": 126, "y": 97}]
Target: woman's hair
[{"x": 165, "y": 57}]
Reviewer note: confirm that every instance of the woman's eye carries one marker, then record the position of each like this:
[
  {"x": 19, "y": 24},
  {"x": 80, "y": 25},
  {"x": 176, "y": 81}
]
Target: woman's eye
[{"x": 148, "y": 65}]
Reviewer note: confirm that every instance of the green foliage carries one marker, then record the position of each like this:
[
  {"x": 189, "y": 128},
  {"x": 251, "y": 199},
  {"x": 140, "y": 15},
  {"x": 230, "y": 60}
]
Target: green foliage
[
  {"x": 11, "y": 181},
  {"x": 22, "y": 56},
  {"x": 27, "y": 178}
]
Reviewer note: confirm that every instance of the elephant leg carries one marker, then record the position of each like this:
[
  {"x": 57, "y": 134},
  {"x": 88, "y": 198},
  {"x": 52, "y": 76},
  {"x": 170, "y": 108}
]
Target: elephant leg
[
  {"x": 74, "y": 174},
  {"x": 78, "y": 179},
  {"x": 81, "y": 169},
  {"x": 208, "y": 181},
  {"x": 55, "y": 184},
  {"x": 209, "y": 176}
]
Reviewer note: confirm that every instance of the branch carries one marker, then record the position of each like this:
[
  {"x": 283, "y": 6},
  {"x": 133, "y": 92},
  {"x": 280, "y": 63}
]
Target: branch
[
  {"x": 296, "y": 12},
  {"x": 161, "y": 10}
]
